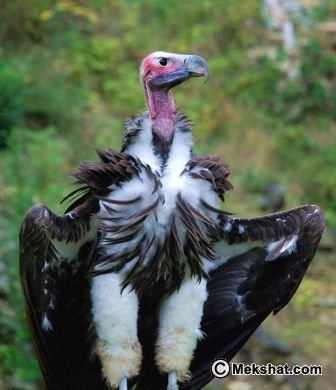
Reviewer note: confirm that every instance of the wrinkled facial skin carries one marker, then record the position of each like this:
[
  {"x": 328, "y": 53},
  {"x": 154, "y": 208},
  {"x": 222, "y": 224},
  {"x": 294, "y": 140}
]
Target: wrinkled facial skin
[
  {"x": 162, "y": 70},
  {"x": 159, "y": 73}
]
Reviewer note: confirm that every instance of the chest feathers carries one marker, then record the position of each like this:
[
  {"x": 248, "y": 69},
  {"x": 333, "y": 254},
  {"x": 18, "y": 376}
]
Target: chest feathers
[{"x": 157, "y": 213}]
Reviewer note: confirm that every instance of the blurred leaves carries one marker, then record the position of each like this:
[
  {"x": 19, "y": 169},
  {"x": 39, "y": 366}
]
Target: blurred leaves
[
  {"x": 33, "y": 170},
  {"x": 25, "y": 151},
  {"x": 11, "y": 99},
  {"x": 69, "y": 78}
]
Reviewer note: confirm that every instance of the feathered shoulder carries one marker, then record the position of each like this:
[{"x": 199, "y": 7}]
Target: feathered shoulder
[
  {"x": 112, "y": 168},
  {"x": 210, "y": 168}
]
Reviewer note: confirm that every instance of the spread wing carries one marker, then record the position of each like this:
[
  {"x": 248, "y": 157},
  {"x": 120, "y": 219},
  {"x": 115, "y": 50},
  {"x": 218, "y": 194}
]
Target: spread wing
[
  {"x": 55, "y": 254},
  {"x": 260, "y": 265}
]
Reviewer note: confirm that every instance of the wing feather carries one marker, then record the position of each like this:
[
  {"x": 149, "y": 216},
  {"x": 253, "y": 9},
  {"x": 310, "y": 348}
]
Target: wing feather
[
  {"x": 247, "y": 287},
  {"x": 55, "y": 254}
]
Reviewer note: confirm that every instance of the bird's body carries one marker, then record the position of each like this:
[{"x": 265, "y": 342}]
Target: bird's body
[
  {"x": 144, "y": 277},
  {"x": 150, "y": 210}
]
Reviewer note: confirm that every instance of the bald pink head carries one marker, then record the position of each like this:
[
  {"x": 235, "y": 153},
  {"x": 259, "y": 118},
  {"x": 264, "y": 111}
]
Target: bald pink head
[{"x": 161, "y": 71}]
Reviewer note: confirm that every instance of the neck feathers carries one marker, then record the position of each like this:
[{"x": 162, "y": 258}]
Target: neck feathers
[{"x": 142, "y": 141}]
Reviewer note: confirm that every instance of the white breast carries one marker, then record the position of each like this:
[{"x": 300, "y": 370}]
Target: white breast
[{"x": 157, "y": 225}]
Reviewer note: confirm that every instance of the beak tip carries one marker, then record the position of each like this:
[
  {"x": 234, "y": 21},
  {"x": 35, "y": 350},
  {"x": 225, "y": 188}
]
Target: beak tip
[
  {"x": 206, "y": 77},
  {"x": 197, "y": 66}
]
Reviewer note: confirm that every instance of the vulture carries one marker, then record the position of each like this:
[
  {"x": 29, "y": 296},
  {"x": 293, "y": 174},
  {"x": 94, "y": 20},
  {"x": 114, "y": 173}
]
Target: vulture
[{"x": 145, "y": 280}]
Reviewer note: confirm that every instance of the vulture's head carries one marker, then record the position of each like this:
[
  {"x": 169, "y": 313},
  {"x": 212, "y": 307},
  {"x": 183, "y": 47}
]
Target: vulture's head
[{"x": 161, "y": 71}]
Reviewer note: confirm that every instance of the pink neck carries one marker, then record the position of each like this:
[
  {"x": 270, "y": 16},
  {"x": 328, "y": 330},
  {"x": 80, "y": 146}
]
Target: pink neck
[{"x": 161, "y": 110}]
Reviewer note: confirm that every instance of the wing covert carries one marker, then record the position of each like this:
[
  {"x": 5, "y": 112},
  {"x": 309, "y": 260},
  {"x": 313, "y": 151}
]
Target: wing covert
[{"x": 257, "y": 279}]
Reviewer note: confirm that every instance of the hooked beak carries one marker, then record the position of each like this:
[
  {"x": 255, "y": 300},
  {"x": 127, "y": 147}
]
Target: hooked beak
[
  {"x": 191, "y": 66},
  {"x": 197, "y": 67}
]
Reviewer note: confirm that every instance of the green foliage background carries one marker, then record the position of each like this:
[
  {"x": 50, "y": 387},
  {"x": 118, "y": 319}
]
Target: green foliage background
[{"x": 69, "y": 78}]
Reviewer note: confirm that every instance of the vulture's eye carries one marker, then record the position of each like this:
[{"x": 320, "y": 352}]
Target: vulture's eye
[{"x": 163, "y": 61}]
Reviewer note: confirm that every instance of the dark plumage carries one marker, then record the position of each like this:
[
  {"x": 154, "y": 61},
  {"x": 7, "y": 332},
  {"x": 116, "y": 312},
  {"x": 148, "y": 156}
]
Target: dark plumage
[{"x": 120, "y": 288}]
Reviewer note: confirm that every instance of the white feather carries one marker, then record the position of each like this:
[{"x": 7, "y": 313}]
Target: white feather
[
  {"x": 69, "y": 250},
  {"x": 281, "y": 247},
  {"x": 225, "y": 252},
  {"x": 115, "y": 315},
  {"x": 143, "y": 147},
  {"x": 46, "y": 324},
  {"x": 180, "y": 318}
]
